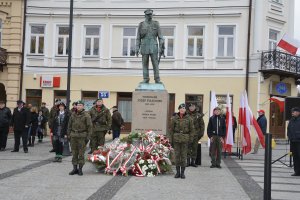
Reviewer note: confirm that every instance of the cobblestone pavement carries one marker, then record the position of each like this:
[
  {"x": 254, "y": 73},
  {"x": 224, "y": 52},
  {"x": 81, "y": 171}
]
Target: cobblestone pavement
[{"x": 34, "y": 176}]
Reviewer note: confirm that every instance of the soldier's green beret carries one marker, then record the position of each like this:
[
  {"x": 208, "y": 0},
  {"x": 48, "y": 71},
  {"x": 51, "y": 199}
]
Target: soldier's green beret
[
  {"x": 80, "y": 102},
  {"x": 181, "y": 106},
  {"x": 100, "y": 98},
  {"x": 148, "y": 12}
]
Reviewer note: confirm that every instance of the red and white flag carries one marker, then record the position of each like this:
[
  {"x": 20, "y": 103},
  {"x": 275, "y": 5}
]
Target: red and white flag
[
  {"x": 229, "y": 127},
  {"x": 246, "y": 125},
  {"x": 279, "y": 101},
  {"x": 258, "y": 132},
  {"x": 289, "y": 44}
]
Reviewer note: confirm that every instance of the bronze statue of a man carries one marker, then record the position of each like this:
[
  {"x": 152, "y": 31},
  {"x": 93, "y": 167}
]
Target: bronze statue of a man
[{"x": 146, "y": 44}]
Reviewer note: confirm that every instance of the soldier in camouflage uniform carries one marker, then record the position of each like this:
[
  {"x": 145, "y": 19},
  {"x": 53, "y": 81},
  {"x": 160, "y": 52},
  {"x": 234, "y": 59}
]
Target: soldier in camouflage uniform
[
  {"x": 101, "y": 119},
  {"x": 181, "y": 131},
  {"x": 199, "y": 132},
  {"x": 52, "y": 115},
  {"x": 79, "y": 132}
]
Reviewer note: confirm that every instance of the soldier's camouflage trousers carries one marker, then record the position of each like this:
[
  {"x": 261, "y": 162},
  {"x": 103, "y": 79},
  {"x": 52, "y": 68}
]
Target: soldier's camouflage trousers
[
  {"x": 78, "y": 146},
  {"x": 192, "y": 149},
  {"x": 216, "y": 150},
  {"x": 97, "y": 139},
  {"x": 180, "y": 154}
]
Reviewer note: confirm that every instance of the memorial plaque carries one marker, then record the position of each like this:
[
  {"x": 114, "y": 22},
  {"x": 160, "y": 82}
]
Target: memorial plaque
[{"x": 150, "y": 111}]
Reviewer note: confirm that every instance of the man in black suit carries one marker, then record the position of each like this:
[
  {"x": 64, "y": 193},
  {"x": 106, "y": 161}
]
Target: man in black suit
[{"x": 20, "y": 122}]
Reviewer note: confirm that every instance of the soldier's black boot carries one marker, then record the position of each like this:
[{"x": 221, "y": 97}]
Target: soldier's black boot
[
  {"x": 177, "y": 175},
  {"x": 182, "y": 172},
  {"x": 33, "y": 139},
  {"x": 188, "y": 162},
  {"x": 80, "y": 170},
  {"x": 74, "y": 171},
  {"x": 193, "y": 163}
]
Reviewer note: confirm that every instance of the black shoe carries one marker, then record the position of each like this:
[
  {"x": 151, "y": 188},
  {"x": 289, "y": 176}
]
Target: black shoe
[
  {"x": 188, "y": 162},
  {"x": 59, "y": 159},
  {"x": 74, "y": 171},
  {"x": 182, "y": 173},
  {"x": 2, "y": 149},
  {"x": 213, "y": 166},
  {"x": 90, "y": 152},
  {"x": 55, "y": 159},
  {"x": 295, "y": 174},
  {"x": 193, "y": 164},
  {"x": 80, "y": 170},
  {"x": 52, "y": 150},
  {"x": 15, "y": 150},
  {"x": 177, "y": 175},
  {"x": 219, "y": 166},
  {"x": 25, "y": 151}
]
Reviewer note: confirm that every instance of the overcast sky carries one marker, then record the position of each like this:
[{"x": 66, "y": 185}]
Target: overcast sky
[{"x": 297, "y": 20}]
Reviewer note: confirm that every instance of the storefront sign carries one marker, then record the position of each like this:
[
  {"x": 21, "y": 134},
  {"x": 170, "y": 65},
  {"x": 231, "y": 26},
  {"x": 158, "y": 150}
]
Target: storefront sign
[
  {"x": 49, "y": 81},
  {"x": 280, "y": 88},
  {"x": 103, "y": 94}
]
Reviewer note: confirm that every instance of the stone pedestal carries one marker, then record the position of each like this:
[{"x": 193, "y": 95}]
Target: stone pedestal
[{"x": 150, "y": 104}]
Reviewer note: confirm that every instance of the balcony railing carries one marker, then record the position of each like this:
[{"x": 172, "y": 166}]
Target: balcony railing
[
  {"x": 280, "y": 63},
  {"x": 3, "y": 58}
]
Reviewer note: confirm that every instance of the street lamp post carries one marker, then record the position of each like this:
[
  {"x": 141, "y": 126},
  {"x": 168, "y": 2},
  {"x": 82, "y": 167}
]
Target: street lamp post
[{"x": 70, "y": 54}]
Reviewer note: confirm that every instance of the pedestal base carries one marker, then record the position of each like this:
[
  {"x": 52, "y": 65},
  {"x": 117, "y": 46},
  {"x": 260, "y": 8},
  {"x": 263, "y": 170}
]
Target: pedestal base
[{"x": 150, "y": 109}]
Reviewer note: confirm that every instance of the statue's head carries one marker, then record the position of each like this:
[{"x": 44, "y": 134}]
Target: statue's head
[{"x": 148, "y": 13}]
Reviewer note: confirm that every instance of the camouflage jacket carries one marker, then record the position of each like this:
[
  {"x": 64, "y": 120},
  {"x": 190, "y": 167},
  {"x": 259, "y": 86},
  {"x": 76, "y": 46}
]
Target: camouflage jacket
[
  {"x": 52, "y": 115},
  {"x": 198, "y": 124},
  {"x": 101, "y": 119},
  {"x": 182, "y": 129},
  {"x": 80, "y": 125}
]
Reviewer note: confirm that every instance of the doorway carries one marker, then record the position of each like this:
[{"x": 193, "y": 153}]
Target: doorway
[
  {"x": 277, "y": 121},
  {"x": 2, "y": 92},
  {"x": 124, "y": 103}
]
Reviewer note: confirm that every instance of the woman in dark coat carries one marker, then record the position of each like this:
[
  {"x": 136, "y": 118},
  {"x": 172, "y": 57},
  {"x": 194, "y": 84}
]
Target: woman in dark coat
[
  {"x": 42, "y": 120},
  {"x": 33, "y": 126},
  {"x": 59, "y": 128}
]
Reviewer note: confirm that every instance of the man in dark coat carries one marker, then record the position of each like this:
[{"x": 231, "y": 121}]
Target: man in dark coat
[
  {"x": 117, "y": 122},
  {"x": 262, "y": 122},
  {"x": 46, "y": 113},
  {"x": 20, "y": 122},
  {"x": 293, "y": 132},
  {"x": 5, "y": 117},
  {"x": 52, "y": 115},
  {"x": 216, "y": 131}
]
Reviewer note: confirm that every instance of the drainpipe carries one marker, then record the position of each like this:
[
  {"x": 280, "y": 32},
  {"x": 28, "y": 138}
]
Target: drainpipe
[
  {"x": 23, "y": 50},
  {"x": 248, "y": 47}
]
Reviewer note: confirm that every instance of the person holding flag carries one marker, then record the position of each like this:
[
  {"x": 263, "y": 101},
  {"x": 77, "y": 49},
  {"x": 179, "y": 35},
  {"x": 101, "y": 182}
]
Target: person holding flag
[
  {"x": 262, "y": 122},
  {"x": 216, "y": 131}
]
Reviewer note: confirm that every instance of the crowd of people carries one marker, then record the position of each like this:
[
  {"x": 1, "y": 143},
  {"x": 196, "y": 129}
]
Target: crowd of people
[
  {"x": 79, "y": 127},
  {"x": 76, "y": 126}
]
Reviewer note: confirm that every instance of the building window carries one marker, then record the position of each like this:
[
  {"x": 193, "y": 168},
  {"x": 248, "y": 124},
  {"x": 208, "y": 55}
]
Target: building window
[
  {"x": 196, "y": 99},
  {"x": 63, "y": 41},
  {"x": 195, "y": 41},
  {"x": 37, "y": 38},
  {"x": 273, "y": 37},
  {"x": 89, "y": 98},
  {"x": 222, "y": 101},
  {"x": 129, "y": 41},
  {"x": 60, "y": 94},
  {"x": 34, "y": 97},
  {"x": 226, "y": 37},
  {"x": 168, "y": 33},
  {"x": 92, "y": 40}
]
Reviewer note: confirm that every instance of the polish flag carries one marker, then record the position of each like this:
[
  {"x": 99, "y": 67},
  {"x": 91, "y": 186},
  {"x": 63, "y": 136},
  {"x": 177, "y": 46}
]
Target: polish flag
[
  {"x": 213, "y": 105},
  {"x": 258, "y": 132},
  {"x": 229, "y": 132},
  {"x": 289, "y": 44},
  {"x": 245, "y": 122},
  {"x": 279, "y": 101}
]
